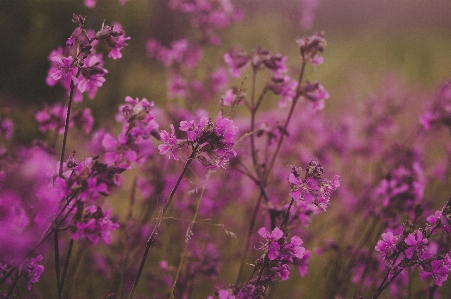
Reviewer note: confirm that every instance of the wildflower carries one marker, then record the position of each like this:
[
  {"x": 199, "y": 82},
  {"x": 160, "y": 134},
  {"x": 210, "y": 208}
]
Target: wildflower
[
  {"x": 437, "y": 269},
  {"x": 316, "y": 93},
  {"x": 236, "y": 60},
  {"x": 92, "y": 75},
  {"x": 311, "y": 46},
  {"x": 66, "y": 69},
  {"x": 169, "y": 143},
  {"x": 34, "y": 270},
  {"x": 387, "y": 245},
  {"x": 95, "y": 226}
]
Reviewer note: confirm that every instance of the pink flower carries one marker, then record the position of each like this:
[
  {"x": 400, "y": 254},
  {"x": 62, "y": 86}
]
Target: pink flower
[
  {"x": 271, "y": 238},
  {"x": 387, "y": 245},
  {"x": 92, "y": 75},
  {"x": 34, "y": 270},
  {"x": 228, "y": 97},
  {"x": 169, "y": 143},
  {"x": 236, "y": 60},
  {"x": 65, "y": 69}
]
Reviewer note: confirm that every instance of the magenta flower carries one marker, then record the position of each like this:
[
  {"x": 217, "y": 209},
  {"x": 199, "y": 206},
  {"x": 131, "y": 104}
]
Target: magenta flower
[
  {"x": 177, "y": 87},
  {"x": 285, "y": 87},
  {"x": 387, "y": 246},
  {"x": 316, "y": 93},
  {"x": 236, "y": 60},
  {"x": 294, "y": 248},
  {"x": 311, "y": 46},
  {"x": 271, "y": 238},
  {"x": 115, "y": 52},
  {"x": 93, "y": 190},
  {"x": 95, "y": 226},
  {"x": 34, "y": 270},
  {"x": 228, "y": 97},
  {"x": 438, "y": 271},
  {"x": 66, "y": 69},
  {"x": 92, "y": 75},
  {"x": 416, "y": 244},
  {"x": 438, "y": 219},
  {"x": 169, "y": 143},
  {"x": 303, "y": 263},
  {"x": 216, "y": 140}
]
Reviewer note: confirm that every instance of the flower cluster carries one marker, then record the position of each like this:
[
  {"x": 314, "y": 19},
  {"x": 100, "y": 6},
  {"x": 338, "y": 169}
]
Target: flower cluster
[
  {"x": 183, "y": 55},
  {"x": 208, "y": 16},
  {"x": 313, "y": 189},
  {"x": 95, "y": 226},
  {"x": 79, "y": 64},
  {"x": 133, "y": 144},
  {"x": 416, "y": 249},
  {"x": 52, "y": 118},
  {"x": 216, "y": 140},
  {"x": 440, "y": 112},
  {"x": 310, "y": 48}
]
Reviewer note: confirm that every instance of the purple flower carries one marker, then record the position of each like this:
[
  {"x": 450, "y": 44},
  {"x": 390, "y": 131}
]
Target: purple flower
[
  {"x": 92, "y": 75},
  {"x": 34, "y": 270},
  {"x": 314, "y": 189},
  {"x": 387, "y": 245},
  {"x": 6, "y": 128},
  {"x": 236, "y": 60},
  {"x": 311, "y": 46},
  {"x": 114, "y": 37},
  {"x": 228, "y": 97},
  {"x": 285, "y": 87},
  {"x": 95, "y": 226},
  {"x": 416, "y": 244},
  {"x": 177, "y": 87},
  {"x": 439, "y": 220},
  {"x": 66, "y": 69},
  {"x": 271, "y": 238},
  {"x": 294, "y": 248},
  {"x": 438, "y": 270},
  {"x": 316, "y": 93},
  {"x": 169, "y": 143}
]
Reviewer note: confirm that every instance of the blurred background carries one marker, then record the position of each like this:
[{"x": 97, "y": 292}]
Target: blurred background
[{"x": 367, "y": 39}]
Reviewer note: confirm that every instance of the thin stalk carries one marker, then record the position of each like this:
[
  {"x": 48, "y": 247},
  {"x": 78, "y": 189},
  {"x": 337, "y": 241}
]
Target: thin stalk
[
  {"x": 383, "y": 285},
  {"x": 55, "y": 135},
  {"x": 11, "y": 289},
  {"x": 190, "y": 228},
  {"x": 159, "y": 219},
  {"x": 285, "y": 217},
  {"x": 248, "y": 239},
  {"x": 125, "y": 253},
  {"x": 66, "y": 125},
  {"x": 57, "y": 262},
  {"x": 253, "y": 114},
  {"x": 290, "y": 114},
  {"x": 66, "y": 264},
  {"x": 78, "y": 218}
]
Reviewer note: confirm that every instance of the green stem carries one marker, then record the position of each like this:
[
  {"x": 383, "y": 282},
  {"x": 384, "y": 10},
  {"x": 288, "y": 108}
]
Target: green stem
[
  {"x": 159, "y": 219},
  {"x": 66, "y": 264},
  {"x": 290, "y": 114},
  {"x": 57, "y": 262},
  {"x": 190, "y": 228},
  {"x": 248, "y": 239},
  {"x": 66, "y": 125}
]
